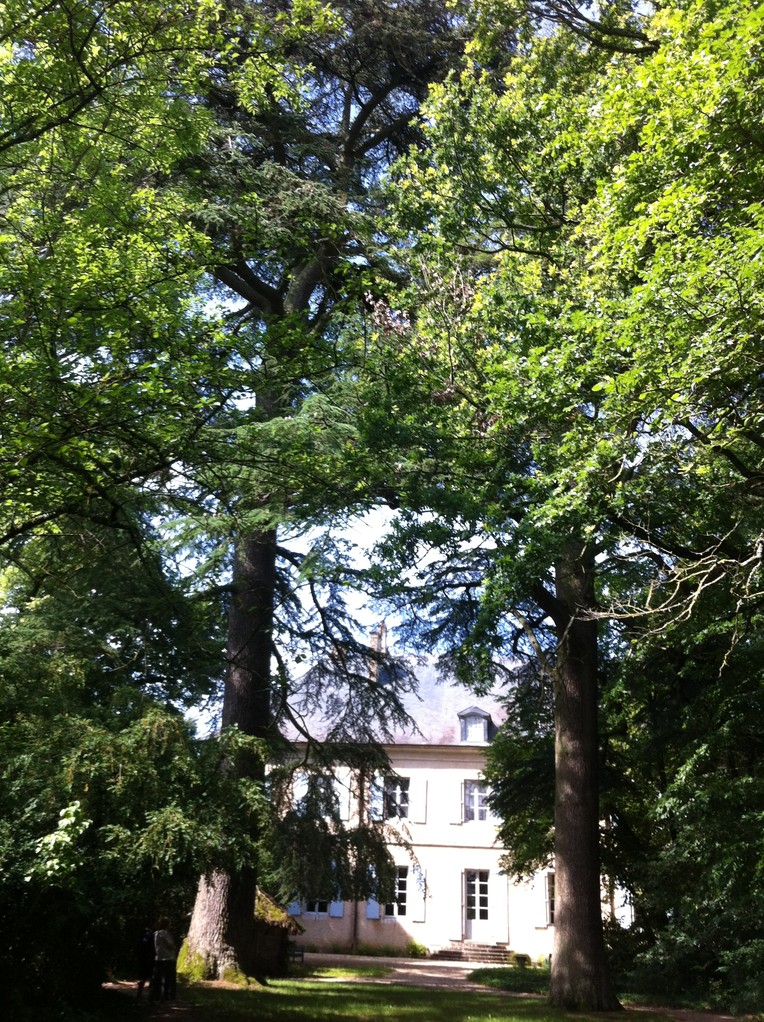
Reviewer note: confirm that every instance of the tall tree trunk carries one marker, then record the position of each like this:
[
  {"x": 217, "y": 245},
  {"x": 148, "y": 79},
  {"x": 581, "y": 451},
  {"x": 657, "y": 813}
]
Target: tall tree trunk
[
  {"x": 247, "y": 696},
  {"x": 222, "y": 930},
  {"x": 580, "y": 978}
]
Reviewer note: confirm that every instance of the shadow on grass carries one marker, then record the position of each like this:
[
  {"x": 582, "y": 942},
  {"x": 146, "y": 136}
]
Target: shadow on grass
[
  {"x": 288, "y": 1001},
  {"x": 336, "y": 1001}
]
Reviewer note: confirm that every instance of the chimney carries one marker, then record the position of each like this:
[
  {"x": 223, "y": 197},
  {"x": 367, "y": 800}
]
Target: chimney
[
  {"x": 378, "y": 639},
  {"x": 378, "y": 646}
]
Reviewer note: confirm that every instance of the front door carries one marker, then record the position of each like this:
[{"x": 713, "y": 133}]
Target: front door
[{"x": 476, "y": 922}]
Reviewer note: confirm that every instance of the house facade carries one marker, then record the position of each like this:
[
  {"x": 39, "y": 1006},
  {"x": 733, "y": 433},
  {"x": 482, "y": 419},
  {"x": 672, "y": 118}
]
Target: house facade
[{"x": 451, "y": 894}]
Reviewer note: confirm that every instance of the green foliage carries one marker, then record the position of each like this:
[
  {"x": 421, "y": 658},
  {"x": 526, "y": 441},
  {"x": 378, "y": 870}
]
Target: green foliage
[
  {"x": 520, "y": 772},
  {"x": 153, "y": 811},
  {"x": 741, "y": 985},
  {"x": 307, "y": 850},
  {"x": 578, "y": 356},
  {"x": 158, "y": 168},
  {"x": 576, "y": 353},
  {"x": 57, "y": 853}
]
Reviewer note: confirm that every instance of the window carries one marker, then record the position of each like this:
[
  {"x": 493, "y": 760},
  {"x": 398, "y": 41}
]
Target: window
[
  {"x": 314, "y": 794},
  {"x": 476, "y": 894},
  {"x": 319, "y": 908},
  {"x": 550, "y": 899},
  {"x": 473, "y": 724},
  {"x": 475, "y": 801},
  {"x": 396, "y": 798},
  {"x": 398, "y": 906}
]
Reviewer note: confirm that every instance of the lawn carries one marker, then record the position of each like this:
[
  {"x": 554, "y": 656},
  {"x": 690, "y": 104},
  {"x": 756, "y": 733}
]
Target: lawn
[{"x": 335, "y": 1000}]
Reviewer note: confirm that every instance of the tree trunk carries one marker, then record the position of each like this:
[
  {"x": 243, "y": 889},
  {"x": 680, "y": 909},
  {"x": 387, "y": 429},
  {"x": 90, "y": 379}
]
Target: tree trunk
[
  {"x": 247, "y": 696},
  {"x": 222, "y": 936},
  {"x": 580, "y": 978}
]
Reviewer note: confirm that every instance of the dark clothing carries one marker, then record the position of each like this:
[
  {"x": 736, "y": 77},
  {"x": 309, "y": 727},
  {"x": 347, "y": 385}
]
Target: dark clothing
[
  {"x": 145, "y": 955},
  {"x": 163, "y": 983}
]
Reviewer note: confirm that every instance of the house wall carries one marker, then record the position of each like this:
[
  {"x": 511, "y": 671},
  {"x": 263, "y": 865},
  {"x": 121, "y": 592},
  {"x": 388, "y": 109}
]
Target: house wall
[{"x": 445, "y": 852}]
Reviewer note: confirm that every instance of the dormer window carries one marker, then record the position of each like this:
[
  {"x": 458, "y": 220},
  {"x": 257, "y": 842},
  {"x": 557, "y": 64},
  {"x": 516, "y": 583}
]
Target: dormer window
[{"x": 474, "y": 725}]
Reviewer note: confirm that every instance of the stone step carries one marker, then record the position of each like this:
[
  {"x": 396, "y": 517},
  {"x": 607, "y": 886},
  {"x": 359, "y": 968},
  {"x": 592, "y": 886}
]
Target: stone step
[{"x": 487, "y": 954}]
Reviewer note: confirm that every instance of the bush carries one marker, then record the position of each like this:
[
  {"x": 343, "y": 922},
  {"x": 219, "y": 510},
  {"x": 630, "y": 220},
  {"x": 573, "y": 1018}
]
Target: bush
[
  {"x": 742, "y": 973},
  {"x": 624, "y": 946},
  {"x": 519, "y": 960}
]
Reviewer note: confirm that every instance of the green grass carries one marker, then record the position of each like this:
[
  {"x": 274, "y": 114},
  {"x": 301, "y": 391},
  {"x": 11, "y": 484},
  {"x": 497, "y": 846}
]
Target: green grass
[
  {"x": 354, "y": 972},
  {"x": 331, "y": 1000},
  {"x": 536, "y": 981},
  {"x": 519, "y": 981},
  {"x": 289, "y": 1000}
]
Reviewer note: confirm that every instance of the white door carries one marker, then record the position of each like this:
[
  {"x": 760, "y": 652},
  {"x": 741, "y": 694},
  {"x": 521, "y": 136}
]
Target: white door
[{"x": 477, "y": 925}]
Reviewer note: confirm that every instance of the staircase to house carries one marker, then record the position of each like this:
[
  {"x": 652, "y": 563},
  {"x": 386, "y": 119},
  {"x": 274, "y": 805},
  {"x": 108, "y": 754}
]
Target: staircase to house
[{"x": 468, "y": 951}]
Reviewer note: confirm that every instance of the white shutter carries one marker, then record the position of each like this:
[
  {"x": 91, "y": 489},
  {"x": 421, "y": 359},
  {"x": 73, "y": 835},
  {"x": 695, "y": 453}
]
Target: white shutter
[
  {"x": 418, "y": 894},
  {"x": 458, "y": 924},
  {"x": 459, "y": 808},
  {"x": 418, "y": 800}
]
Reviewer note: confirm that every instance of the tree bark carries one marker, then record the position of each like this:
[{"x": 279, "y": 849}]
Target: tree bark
[
  {"x": 580, "y": 978},
  {"x": 222, "y": 934},
  {"x": 247, "y": 695}
]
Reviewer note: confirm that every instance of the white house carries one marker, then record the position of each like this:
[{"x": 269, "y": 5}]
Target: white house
[{"x": 451, "y": 895}]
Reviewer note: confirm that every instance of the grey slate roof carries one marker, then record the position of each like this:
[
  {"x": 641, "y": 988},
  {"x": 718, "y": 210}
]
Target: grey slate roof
[
  {"x": 433, "y": 703},
  {"x": 436, "y": 705}
]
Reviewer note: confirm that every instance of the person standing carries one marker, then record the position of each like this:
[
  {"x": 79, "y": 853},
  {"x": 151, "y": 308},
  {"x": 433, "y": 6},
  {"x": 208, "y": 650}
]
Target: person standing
[
  {"x": 164, "y": 965},
  {"x": 144, "y": 954}
]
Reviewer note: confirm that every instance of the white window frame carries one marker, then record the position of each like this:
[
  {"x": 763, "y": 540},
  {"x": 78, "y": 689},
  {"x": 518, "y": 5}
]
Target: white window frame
[
  {"x": 400, "y": 903},
  {"x": 417, "y": 894},
  {"x": 475, "y": 808},
  {"x": 316, "y": 911},
  {"x": 476, "y": 899},
  {"x": 474, "y": 727}
]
